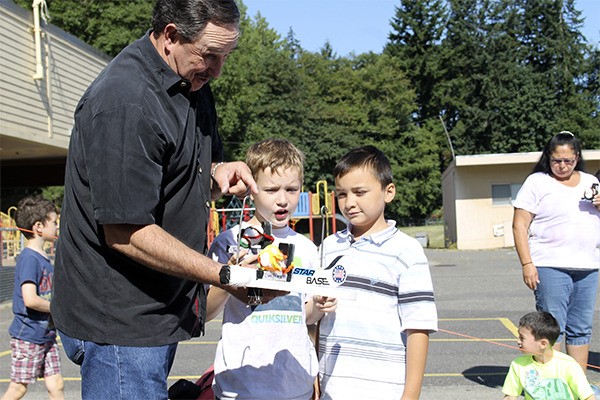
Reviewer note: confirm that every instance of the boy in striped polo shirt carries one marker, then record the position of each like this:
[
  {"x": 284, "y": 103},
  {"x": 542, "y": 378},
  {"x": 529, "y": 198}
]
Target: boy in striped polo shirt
[{"x": 375, "y": 345}]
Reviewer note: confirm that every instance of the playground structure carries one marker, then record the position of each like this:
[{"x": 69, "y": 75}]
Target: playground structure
[
  {"x": 313, "y": 209},
  {"x": 11, "y": 239}
]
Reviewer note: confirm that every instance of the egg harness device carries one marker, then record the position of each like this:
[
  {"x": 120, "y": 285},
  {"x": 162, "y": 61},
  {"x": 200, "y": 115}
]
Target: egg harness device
[{"x": 275, "y": 269}]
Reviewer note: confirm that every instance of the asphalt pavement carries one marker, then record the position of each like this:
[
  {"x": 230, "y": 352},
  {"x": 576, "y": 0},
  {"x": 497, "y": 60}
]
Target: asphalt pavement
[{"x": 480, "y": 297}]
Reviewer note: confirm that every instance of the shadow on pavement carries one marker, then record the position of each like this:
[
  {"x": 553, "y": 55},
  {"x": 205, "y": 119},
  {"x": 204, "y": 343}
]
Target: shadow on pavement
[{"x": 487, "y": 375}]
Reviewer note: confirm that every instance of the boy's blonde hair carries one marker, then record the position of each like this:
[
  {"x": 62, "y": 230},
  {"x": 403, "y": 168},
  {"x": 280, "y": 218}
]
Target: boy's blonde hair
[{"x": 277, "y": 154}]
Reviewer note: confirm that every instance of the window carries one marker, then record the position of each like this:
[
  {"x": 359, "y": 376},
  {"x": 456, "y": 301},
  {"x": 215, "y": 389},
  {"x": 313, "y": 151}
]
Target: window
[{"x": 505, "y": 194}]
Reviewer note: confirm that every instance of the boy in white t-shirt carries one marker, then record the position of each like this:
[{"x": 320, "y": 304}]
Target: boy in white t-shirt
[
  {"x": 543, "y": 373},
  {"x": 265, "y": 351},
  {"x": 375, "y": 345}
]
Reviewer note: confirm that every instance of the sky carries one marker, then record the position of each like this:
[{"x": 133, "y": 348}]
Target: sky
[{"x": 360, "y": 25}]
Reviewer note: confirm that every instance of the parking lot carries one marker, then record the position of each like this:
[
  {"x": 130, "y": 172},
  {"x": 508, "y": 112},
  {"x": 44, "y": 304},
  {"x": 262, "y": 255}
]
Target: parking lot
[{"x": 480, "y": 297}]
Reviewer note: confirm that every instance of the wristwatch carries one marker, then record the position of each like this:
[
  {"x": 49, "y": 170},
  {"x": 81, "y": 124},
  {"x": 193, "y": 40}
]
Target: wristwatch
[{"x": 225, "y": 275}]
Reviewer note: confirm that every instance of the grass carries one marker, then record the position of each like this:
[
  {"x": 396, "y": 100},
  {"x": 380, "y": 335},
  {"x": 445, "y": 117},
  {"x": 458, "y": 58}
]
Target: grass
[{"x": 435, "y": 233}]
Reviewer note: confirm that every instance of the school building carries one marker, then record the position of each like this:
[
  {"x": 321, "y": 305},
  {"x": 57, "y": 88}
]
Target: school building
[
  {"x": 43, "y": 73},
  {"x": 478, "y": 191}
]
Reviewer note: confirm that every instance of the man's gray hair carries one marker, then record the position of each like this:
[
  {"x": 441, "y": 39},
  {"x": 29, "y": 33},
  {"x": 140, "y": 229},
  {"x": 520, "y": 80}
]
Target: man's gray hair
[{"x": 192, "y": 16}]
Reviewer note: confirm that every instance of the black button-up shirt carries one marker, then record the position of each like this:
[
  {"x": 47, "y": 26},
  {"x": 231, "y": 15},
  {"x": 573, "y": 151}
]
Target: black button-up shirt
[{"x": 140, "y": 153}]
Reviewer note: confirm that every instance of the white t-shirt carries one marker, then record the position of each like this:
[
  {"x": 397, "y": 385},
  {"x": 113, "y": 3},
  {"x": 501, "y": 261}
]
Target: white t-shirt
[
  {"x": 265, "y": 351},
  {"x": 565, "y": 230},
  {"x": 362, "y": 352}
]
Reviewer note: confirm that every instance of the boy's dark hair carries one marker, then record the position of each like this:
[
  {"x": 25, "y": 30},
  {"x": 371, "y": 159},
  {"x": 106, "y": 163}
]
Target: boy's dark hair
[
  {"x": 560, "y": 139},
  {"x": 30, "y": 210},
  {"x": 366, "y": 157},
  {"x": 542, "y": 325}
]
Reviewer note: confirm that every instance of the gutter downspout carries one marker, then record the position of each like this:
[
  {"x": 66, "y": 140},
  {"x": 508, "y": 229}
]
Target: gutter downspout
[
  {"x": 49, "y": 94},
  {"x": 37, "y": 34},
  {"x": 40, "y": 10}
]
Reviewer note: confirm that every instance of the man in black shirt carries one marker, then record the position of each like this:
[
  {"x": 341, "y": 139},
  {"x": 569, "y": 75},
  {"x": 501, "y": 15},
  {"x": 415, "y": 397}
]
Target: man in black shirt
[{"x": 145, "y": 158}]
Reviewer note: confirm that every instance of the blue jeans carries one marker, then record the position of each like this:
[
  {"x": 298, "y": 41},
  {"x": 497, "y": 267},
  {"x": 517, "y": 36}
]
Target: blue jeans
[
  {"x": 570, "y": 296},
  {"x": 120, "y": 372}
]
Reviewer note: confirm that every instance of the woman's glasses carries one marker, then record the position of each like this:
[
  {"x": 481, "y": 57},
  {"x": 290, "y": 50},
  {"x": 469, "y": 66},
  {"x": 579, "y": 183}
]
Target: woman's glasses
[{"x": 567, "y": 161}]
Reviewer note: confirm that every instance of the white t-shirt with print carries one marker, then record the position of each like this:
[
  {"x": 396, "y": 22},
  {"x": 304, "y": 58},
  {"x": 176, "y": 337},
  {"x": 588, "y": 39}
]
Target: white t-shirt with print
[{"x": 265, "y": 351}]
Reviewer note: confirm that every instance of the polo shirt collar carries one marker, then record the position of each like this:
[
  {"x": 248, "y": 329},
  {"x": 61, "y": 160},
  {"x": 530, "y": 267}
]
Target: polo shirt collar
[
  {"x": 375, "y": 238},
  {"x": 170, "y": 81}
]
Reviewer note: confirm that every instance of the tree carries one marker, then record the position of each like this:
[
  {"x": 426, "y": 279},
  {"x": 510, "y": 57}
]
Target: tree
[
  {"x": 553, "y": 47},
  {"x": 418, "y": 28},
  {"x": 515, "y": 75},
  {"x": 366, "y": 99},
  {"x": 259, "y": 94}
]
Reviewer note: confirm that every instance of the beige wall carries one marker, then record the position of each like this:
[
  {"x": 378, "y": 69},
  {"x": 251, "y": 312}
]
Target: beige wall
[
  {"x": 40, "y": 111},
  {"x": 477, "y": 223},
  {"x": 592, "y": 166}
]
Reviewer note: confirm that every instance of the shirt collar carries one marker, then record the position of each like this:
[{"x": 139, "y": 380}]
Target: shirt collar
[
  {"x": 171, "y": 82},
  {"x": 376, "y": 238}
]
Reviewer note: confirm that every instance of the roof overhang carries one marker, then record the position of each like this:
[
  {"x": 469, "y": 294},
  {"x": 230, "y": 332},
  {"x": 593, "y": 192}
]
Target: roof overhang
[{"x": 512, "y": 158}]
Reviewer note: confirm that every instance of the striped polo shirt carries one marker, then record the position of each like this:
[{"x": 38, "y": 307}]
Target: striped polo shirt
[{"x": 362, "y": 344}]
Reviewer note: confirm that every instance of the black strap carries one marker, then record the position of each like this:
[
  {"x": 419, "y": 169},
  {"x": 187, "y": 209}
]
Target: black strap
[{"x": 335, "y": 260}]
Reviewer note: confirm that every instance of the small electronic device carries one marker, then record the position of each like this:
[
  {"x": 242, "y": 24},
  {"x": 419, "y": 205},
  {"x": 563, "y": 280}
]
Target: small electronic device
[{"x": 590, "y": 192}]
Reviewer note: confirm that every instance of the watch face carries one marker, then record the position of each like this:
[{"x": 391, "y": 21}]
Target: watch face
[{"x": 224, "y": 274}]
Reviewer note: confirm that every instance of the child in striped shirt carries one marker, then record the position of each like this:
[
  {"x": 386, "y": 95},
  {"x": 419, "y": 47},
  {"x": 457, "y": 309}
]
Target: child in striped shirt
[{"x": 375, "y": 345}]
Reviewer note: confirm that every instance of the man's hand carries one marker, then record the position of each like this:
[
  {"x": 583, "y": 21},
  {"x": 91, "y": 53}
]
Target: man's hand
[{"x": 234, "y": 178}]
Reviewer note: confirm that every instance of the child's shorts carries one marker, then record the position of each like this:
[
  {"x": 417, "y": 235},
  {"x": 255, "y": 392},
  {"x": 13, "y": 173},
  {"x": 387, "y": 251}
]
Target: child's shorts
[{"x": 30, "y": 361}]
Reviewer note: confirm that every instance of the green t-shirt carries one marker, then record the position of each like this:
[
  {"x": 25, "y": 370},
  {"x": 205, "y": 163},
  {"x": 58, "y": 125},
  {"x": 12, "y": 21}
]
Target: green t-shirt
[{"x": 561, "y": 378}]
